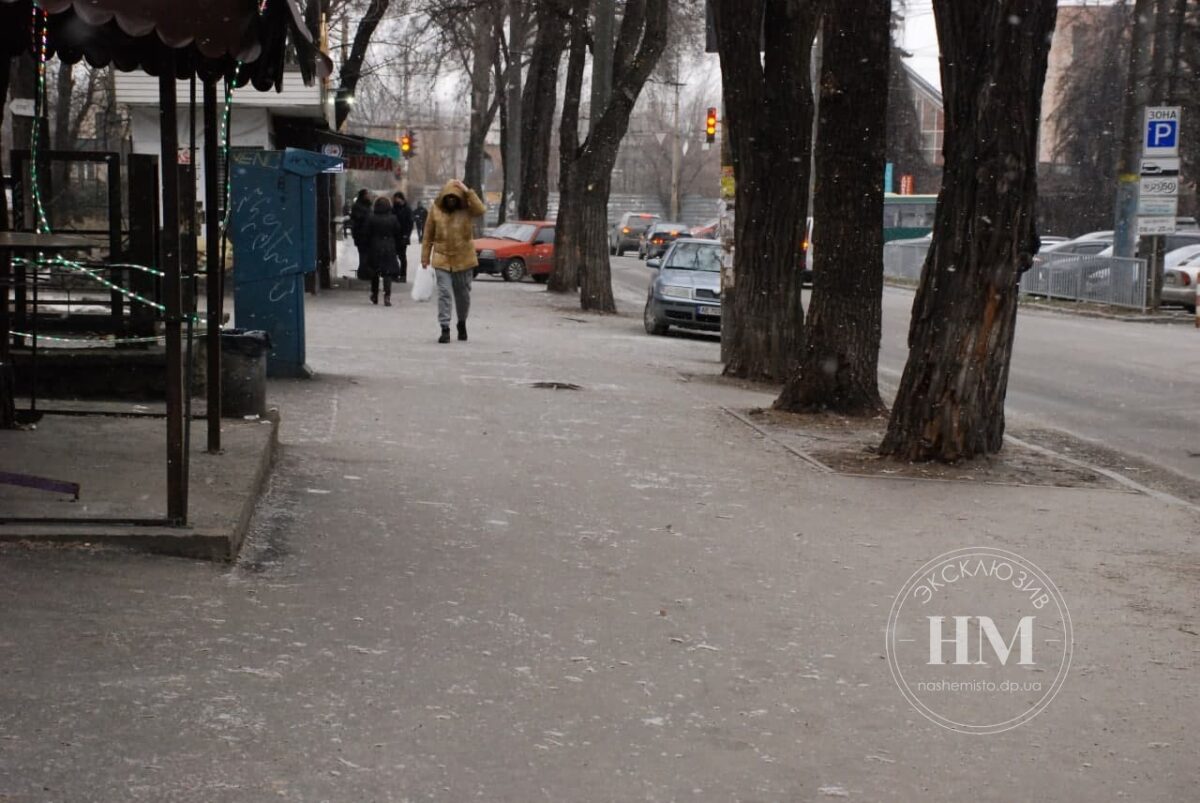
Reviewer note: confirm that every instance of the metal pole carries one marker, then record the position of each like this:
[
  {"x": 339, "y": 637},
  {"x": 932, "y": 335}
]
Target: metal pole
[
  {"x": 676, "y": 160},
  {"x": 213, "y": 275},
  {"x": 172, "y": 300}
]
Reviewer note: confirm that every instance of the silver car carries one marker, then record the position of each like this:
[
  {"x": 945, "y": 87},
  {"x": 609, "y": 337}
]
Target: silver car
[
  {"x": 1179, "y": 282},
  {"x": 686, "y": 288}
]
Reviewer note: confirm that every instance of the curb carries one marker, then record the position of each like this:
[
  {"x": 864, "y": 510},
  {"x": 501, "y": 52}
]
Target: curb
[{"x": 220, "y": 544}]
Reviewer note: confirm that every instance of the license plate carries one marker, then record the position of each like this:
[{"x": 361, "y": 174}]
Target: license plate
[{"x": 708, "y": 312}]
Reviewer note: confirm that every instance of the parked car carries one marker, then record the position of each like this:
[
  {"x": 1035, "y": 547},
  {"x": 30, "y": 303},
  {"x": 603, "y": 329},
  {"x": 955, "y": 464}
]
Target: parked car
[
  {"x": 686, "y": 288},
  {"x": 1180, "y": 281},
  {"x": 517, "y": 249},
  {"x": 625, "y": 234},
  {"x": 656, "y": 239},
  {"x": 1171, "y": 242}
]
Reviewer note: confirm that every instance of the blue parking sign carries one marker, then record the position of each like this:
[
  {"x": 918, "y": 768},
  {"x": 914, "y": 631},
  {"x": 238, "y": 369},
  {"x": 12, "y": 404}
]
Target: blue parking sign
[{"x": 1161, "y": 133}]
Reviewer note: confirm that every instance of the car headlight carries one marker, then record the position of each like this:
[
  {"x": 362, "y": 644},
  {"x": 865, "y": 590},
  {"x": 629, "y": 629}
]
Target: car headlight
[
  {"x": 676, "y": 292},
  {"x": 487, "y": 253}
]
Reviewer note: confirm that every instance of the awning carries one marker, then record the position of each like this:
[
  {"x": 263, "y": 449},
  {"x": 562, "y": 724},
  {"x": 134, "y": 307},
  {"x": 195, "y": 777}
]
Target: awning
[{"x": 209, "y": 37}]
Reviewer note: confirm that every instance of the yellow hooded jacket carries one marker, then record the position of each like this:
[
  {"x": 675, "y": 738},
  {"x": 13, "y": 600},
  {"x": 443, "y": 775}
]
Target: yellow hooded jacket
[{"x": 449, "y": 241}]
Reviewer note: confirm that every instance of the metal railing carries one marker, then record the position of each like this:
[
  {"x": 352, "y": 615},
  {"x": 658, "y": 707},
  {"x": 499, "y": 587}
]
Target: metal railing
[{"x": 1115, "y": 281}]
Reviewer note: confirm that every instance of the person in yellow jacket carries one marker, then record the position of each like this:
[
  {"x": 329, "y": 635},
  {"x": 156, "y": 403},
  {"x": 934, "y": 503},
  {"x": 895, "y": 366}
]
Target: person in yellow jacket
[{"x": 449, "y": 245}]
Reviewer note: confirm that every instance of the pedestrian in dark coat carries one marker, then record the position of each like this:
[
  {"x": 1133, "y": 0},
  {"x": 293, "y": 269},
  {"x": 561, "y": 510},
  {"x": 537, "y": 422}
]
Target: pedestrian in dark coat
[
  {"x": 383, "y": 238},
  {"x": 358, "y": 219},
  {"x": 420, "y": 215},
  {"x": 405, "y": 217}
]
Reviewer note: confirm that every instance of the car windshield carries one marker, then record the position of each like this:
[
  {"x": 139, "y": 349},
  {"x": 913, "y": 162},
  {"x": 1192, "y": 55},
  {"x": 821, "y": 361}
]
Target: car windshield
[
  {"x": 695, "y": 256},
  {"x": 639, "y": 223},
  {"x": 674, "y": 229},
  {"x": 515, "y": 231}
]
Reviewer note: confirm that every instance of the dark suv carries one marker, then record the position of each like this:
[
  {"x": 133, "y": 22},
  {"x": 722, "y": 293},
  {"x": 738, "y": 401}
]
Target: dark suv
[
  {"x": 658, "y": 239},
  {"x": 624, "y": 235}
]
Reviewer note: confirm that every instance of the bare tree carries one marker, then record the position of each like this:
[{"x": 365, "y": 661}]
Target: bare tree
[
  {"x": 587, "y": 165},
  {"x": 950, "y": 405}
]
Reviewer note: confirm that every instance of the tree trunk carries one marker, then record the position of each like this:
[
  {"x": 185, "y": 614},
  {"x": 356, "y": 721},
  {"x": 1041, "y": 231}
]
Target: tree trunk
[
  {"x": 511, "y": 112},
  {"x": 565, "y": 276},
  {"x": 768, "y": 120},
  {"x": 638, "y": 47},
  {"x": 950, "y": 405},
  {"x": 538, "y": 100},
  {"x": 64, "y": 92},
  {"x": 840, "y": 360},
  {"x": 604, "y": 14},
  {"x": 1138, "y": 84},
  {"x": 483, "y": 56}
]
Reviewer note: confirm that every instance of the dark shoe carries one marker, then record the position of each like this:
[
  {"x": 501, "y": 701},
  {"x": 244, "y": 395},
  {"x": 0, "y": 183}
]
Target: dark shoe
[
  {"x": 374, "y": 298},
  {"x": 462, "y": 330},
  {"x": 387, "y": 300},
  {"x": 445, "y": 338}
]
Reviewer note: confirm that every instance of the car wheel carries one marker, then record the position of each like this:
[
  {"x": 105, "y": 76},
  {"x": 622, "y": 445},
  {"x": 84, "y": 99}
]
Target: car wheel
[
  {"x": 619, "y": 251},
  {"x": 653, "y": 325},
  {"x": 513, "y": 270},
  {"x": 612, "y": 250}
]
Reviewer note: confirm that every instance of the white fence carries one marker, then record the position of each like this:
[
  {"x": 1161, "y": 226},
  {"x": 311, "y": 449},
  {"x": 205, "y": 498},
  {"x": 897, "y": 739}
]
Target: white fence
[{"x": 1102, "y": 280}]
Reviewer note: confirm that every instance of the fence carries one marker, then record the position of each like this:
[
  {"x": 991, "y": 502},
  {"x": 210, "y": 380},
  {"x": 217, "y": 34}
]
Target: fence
[{"x": 1072, "y": 277}]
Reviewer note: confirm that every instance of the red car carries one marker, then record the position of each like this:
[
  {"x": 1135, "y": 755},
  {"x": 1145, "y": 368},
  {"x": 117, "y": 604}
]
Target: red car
[{"x": 517, "y": 249}]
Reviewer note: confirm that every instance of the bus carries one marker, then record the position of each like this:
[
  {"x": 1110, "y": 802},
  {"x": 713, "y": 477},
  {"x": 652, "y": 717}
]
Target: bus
[{"x": 907, "y": 217}]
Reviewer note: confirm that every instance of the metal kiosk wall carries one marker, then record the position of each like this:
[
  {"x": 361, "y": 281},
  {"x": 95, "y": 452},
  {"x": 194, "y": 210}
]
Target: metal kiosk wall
[{"x": 273, "y": 226}]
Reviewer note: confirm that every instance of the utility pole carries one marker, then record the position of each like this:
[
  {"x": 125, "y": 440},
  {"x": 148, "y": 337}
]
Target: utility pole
[
  {"x": 1137, "y": 97},
  {"x": 676, "y": 147}
]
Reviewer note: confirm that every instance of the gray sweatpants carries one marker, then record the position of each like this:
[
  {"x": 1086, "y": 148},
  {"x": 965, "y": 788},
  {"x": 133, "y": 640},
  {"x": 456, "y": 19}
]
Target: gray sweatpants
[{"x": 454, "y": 285}]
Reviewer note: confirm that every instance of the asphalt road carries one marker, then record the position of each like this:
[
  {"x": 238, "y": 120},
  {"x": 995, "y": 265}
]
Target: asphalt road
[{"x": 1132, "y": 387}]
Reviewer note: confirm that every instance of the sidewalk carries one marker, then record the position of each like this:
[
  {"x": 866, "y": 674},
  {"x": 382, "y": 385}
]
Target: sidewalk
[{"x": 462, "y": 585}]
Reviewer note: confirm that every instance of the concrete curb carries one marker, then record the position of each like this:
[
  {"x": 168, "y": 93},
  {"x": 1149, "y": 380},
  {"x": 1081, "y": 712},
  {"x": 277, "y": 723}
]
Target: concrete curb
[
  {"x": 1131, "y": 486},
  {"x": 216, "y": 543}
]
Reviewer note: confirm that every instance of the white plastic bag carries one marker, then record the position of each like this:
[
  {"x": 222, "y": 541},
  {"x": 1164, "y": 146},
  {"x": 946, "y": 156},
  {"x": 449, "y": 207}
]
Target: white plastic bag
[{"x": 422, "y": 289}]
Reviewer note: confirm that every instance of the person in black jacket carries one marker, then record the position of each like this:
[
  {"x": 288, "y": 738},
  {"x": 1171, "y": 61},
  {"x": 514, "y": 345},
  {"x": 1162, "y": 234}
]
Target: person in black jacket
[
  {"x": 383, "y": 238},
  {"x": 420, "y": 215},
  {"x": 358, "y": 219},
  {"x": 404, "y": 216}
]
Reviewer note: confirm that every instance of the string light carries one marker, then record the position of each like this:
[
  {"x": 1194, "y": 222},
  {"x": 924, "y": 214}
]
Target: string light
[
  {"x": 102, "y": 339},
  {"x": 41, "y": 35}
]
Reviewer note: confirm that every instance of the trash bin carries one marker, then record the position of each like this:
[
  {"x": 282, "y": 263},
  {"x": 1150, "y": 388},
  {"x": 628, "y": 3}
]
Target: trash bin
[{"x": 244, "y": 372}]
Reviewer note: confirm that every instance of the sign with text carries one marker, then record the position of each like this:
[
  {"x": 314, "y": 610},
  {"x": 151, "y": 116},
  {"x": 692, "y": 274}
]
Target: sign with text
[
  {"x": 1160, "y": 134},
  {"x": 1155, "y": 225},
  {"x": 1154, "y": 206}
]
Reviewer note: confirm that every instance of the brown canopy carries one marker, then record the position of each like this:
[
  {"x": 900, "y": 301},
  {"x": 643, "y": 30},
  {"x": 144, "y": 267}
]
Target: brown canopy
[{"x": 208, "y": 37}]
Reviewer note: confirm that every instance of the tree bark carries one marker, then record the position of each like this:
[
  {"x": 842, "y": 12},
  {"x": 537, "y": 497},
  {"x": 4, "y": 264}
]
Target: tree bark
[
  {"x": 603, "y": 29},
  {"x": 950, "y": 405},
  {"x": 567, "y": 256},
  {"x": 768, "y": 121},
  {"x": 840, "y": 360},
  {"x": 538, "y": 101}
]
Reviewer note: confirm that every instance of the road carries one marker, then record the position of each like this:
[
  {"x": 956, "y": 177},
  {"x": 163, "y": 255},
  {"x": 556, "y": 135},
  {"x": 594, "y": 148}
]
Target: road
[{"x": 1133, "y": 387}]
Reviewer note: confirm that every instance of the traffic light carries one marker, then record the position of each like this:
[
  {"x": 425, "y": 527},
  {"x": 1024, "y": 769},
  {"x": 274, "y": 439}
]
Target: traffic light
[
  {"x": 710, "y": 125},
  {"x": 408, "y": 145}
]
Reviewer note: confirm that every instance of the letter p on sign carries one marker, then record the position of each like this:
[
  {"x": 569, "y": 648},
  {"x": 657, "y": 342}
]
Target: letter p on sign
[{"x": 1161, "y": 132}]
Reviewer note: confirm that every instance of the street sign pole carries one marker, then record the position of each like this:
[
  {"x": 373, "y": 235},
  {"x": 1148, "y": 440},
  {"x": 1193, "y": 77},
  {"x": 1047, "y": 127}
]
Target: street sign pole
[{"x": 1158, "y": 190}]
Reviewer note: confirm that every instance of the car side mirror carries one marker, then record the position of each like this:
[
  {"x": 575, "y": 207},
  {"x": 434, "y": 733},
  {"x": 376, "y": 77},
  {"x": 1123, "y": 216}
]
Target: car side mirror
[{"x": 654, "y": 264}]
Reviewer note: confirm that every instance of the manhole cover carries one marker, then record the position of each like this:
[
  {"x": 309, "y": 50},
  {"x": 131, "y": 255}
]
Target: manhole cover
[{"x": 555, "y": 386}]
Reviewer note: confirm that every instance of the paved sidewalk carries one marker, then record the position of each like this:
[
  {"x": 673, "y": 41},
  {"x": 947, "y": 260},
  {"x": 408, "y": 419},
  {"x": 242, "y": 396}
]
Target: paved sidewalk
[{"x": 462, "y": 586}]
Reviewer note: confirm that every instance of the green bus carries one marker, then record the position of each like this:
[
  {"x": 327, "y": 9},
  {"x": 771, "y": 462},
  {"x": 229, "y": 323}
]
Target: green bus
[{"x": 906, "y": 217}]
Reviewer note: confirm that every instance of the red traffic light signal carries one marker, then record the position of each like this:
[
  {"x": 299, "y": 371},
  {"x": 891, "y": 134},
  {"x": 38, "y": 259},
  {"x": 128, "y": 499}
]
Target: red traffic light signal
[{"x": 710, "y": 125}]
